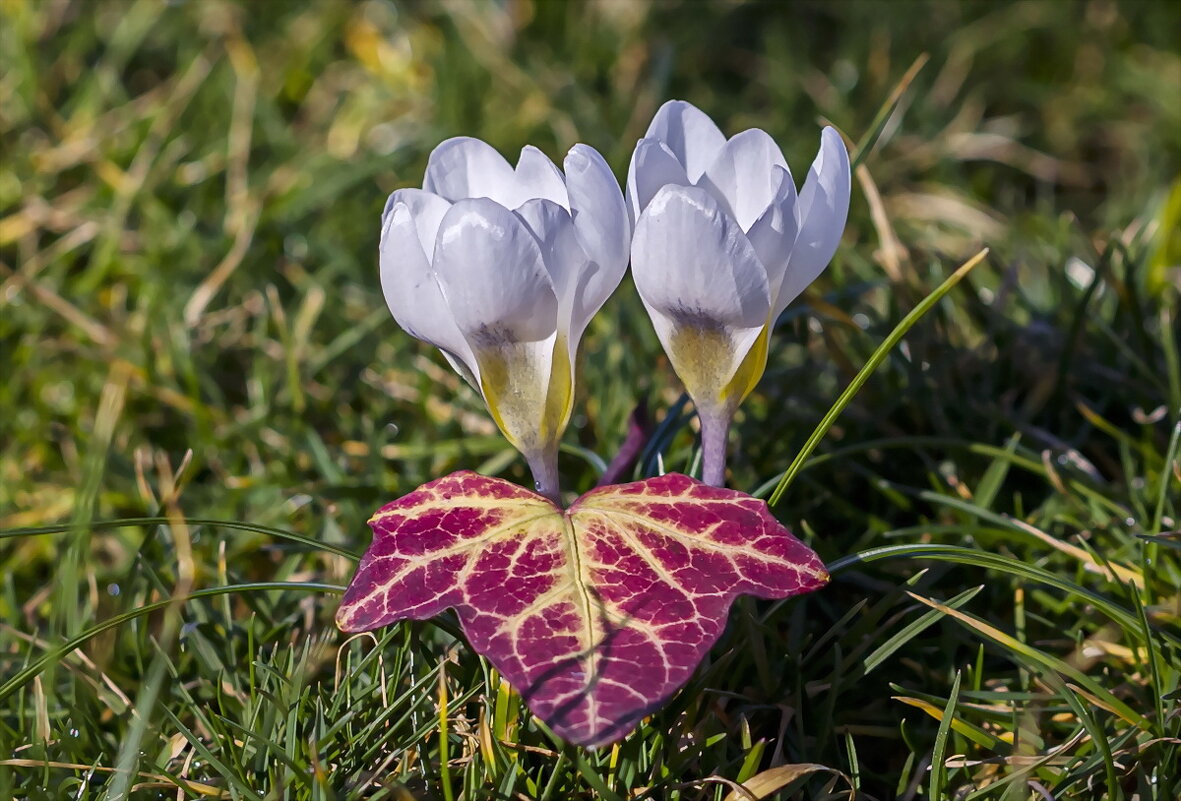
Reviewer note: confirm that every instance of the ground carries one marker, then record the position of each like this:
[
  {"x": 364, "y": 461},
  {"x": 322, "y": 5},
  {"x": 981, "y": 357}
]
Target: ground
[{"x": 205, "y": 398}]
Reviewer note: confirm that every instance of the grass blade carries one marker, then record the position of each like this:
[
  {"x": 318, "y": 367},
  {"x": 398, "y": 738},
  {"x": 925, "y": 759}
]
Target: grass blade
[
  {"x": 39, "y": 664},
  {"x": 938, "y": 769},
  {"x": 878, "y": 356}
]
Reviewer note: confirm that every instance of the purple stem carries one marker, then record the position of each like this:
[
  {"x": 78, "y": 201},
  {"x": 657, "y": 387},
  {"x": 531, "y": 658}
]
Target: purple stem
[
  {"x": 714, "y": 430},
  {"x": 544, "y": 466}
]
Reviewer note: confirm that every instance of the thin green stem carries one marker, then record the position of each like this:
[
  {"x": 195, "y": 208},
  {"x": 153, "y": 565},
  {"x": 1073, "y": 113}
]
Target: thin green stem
[{"x": 859, "y": 380}]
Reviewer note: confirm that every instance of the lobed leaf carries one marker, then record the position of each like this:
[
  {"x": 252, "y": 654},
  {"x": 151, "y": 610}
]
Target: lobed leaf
[{"x": 596, "y": 613}]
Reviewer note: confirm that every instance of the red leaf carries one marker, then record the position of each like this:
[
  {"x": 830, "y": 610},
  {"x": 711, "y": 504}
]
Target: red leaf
[{"x": 597, "y": 613}]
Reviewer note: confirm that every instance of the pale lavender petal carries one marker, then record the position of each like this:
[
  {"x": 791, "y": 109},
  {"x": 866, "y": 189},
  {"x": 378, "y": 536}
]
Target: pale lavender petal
[
  {"x": 703, "y": 287},
  {"x": 773, "y": 234},
  {"x": 537, "y": 177},
  {"x": 600, "y": 215},
  {"x": 653, "y": 166},
  {"x": 426, "y": 208},
  {"x": 743, "y": 175},
  {"x": 463, "y": 167},
  {"x": 493, "y": 276},
  {"x": 689, "y": 133},
  {"x": 569, "y": 268},
  {"x": 690, "y": 259},
  {"x": 823, "y": 209},
  {"x": 410, "y": 289}
]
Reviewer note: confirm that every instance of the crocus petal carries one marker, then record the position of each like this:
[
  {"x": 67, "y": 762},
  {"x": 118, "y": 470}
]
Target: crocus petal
[
  {"x": 493, "y": 276},
  {"x": 537, "y": 177},
  {"x": 600, "y": 215},
  {"x": 463, "y": 167},
  {"x": 823, "y": 209},
  {"x": 528, "y": 387},
  {"x": 569, "y": 268},
  {"x": 426, "y": 208},
  {"x": 408, "y": 284},
  {"x": 743, "y": 175},
  {"x": 703, "y": 286},
  {"x": 773, "y": 234},
  {"x": 492, "y": 273},
  {"x": 652, "y": 166},
  {"x": 691, "y": 259},
  {"x": 689, "y": 133}
]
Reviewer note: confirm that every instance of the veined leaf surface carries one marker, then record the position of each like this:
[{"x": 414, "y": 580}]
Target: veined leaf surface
[{"x": 596, "y": 613}]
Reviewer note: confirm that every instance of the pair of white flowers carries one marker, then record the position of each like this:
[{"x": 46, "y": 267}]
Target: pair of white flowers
[{"x": 502, "y": 268}]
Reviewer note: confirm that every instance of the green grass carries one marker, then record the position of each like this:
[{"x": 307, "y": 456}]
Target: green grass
[{"x": 204, "y": 398}]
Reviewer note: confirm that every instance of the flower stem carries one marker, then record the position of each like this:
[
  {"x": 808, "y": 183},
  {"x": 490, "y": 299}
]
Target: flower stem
[
  {"x": 544, "y": 466},
  {"x": 714, "y": 431}
]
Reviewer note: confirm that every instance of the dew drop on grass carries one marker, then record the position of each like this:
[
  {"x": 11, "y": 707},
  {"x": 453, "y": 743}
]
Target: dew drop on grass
[{"x": 113, "y": 590}]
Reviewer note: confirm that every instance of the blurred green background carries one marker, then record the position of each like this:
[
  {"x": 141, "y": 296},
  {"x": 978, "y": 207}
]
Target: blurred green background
[{"x": 191, "y": 326}]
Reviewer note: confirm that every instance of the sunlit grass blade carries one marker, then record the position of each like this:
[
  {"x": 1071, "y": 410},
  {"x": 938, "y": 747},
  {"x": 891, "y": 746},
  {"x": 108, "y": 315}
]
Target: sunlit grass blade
[
  {"x": 1111, "y": 570},
  {"x": 973, "y": 732},
  {"x": 938, "y": 753},
  {"x": 1042, "y": 660},
  {"x": 39, "y": 664},
  {"x": 231, "y": 776},
  {"x": 913, "y": 629},
  {"x": 233, "y": 525},
  {"x": 990, "y": 561},
  {"x": 867, "y": 370},
  {"x": 200, "y": 789},
  {"x": 1099, "y": 737},
  {"x": 870, "y": 138}
]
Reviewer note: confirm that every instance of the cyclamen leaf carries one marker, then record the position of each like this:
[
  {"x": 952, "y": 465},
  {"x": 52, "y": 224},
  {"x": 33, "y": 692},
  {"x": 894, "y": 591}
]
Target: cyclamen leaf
[{"x": 596, "y": 613}]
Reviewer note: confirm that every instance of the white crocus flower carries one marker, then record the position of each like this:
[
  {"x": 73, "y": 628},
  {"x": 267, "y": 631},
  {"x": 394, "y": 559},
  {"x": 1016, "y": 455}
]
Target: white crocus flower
[
  {"x": 722, "y": 245},
  {"x": 502, "y": 269}
]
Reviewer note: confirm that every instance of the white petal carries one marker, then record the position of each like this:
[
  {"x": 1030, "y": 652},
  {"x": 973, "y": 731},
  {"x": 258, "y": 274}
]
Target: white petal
[
  {"x": 823, "y": 209},
  {"x": 652, "y": 167},
  {"x": 528, "y": 391},
  {"x": 411, "y": 291},
  {"x": 708, "y": 359},
  {"x": 691, "y": 260},
  {"x": 581, "y": 284},
  {"x": 689, "y": 133},
  {"x": 537, "y": 177},
  {"x": 743, "y": 174},
  {"x": 464, "y": 167},
  {"x": 703, "y": 286},
  {"x": 492, "y": 274},
  {"x": 427, "y": 210},
  {"x": 597, "y": 206},
  {"x": 565, "y": 261},
  {"x": 774, "y": 234}
]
